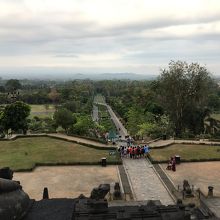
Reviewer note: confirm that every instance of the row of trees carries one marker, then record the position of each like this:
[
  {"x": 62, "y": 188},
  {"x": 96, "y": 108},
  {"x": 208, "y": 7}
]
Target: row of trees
[
  {"x": 176, "y": 103},
  {"x": 14, "y": 118},
  {"x": 73, "y": 101}
]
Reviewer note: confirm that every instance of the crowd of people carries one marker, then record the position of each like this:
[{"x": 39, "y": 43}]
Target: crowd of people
[
  {"x": 134, "y": 152},
  {"x": 141, "y": 151}
]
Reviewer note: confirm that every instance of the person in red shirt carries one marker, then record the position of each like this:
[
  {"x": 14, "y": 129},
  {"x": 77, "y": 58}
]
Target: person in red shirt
[{"x": 135, "y": 152}]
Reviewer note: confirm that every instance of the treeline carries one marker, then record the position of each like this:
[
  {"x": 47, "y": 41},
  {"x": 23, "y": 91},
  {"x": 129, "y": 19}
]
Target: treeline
[
  {"x": 72, "y": 101},
  {"x": 176, "y": 103}
]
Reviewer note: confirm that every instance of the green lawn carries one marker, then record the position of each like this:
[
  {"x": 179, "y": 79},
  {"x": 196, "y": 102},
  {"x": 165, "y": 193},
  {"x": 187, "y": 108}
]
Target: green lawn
[
  {"x": 99, "y": 98},
  {"x": 23, "y": 153},
  {"x": 187, "y": 152},
  {"x": 216, "y": 116},
  {"x": 42, "y": 108},
  {"x": 41, "y": 111}
]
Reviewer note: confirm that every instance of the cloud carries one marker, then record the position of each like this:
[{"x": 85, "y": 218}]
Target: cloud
[{"x": 106, "y": 35}]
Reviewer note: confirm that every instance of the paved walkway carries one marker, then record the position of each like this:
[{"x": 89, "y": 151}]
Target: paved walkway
[
  {"x": 162, "y": 143},
  {"x": 120, "y": 128},
  {"x": 95, "y": 113},
  {"x": 145, "y": 183},
  {"x": 78, "y": 139},
  {"x": 66, "y": 137},
  {"x": 199, "y": 174}
]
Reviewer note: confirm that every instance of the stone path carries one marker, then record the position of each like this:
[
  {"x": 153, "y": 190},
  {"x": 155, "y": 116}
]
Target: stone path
[
  {"x": 199, "y": 174},
  {"x": 145, "y": 183},
  {"x": 95, "y": 113},
  {"x": 65, "y": 137},
  {"x": 78, "y": 139},
  {"x": 121, "y": 129},
  {"x": 162, "y": 143}
]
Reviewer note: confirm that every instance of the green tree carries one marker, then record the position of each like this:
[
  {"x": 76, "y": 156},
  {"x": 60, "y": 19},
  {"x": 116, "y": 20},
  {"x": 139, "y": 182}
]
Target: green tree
[
  {"x": 156, "y": 128},
  {"x": 64, "y": 118},
  {"x": 136, "y": 117},
  {"x": 13, "y": 84},
  {"x": 147, "y": 129},
  {"x": 71, "y": 106},
  {"x": 2, "y": 89},
  {"x": 183, "y": 90},
  {"x": 54, "y": 95},
  {"x": 1, "y": 121},
  {"x": 154, "y": 108},
  {"x": 15, "y": 116},
  {"x": 214, "y": 102},
  {"x": 83, "y": 125}
]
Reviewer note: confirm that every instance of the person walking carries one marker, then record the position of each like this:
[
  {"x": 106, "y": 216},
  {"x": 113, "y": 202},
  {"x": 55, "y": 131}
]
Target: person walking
[
  {"x": 142, "y": 151},
  {"x": 138, "y": 152},
  {"x": 133, "y": 152},
  {"x": 130, "y": 151},
  {"x": 174, "y": 164},
  {"x": 146, "y": 150}
]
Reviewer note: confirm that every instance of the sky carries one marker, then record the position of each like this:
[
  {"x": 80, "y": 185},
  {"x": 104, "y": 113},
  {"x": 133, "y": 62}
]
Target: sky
[{"x": 107, "y": 36}]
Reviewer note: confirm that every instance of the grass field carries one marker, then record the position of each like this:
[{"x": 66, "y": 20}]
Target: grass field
[
  {"x": 216, "y": 116},
  {"x": 25, "y": 152},
  {"x": 99, "y": 98},
  {"x": 41, "y": 111},
  {"x": 187, "y": 152}
]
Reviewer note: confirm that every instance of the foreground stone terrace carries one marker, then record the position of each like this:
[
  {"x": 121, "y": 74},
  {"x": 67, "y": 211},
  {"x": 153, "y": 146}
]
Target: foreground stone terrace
[{"x": 199, "y": 174}]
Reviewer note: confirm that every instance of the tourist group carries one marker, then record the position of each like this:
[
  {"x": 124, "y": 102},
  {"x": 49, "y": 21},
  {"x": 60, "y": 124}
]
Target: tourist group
[{"x": 134, "y": 152}]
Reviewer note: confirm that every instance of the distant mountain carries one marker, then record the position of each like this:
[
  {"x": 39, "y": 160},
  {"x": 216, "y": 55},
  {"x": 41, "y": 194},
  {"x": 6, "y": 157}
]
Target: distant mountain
[
  {"x": 65, "y": 76},
  {"x": 112, "y": 76}
]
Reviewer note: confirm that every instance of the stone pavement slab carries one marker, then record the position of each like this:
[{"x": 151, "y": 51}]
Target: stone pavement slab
[
  {"x": 65, "y": 181},
  {"x": 78, "y": 139},
  {"x": 199, "y": 174},
  {"x": 163, "y": 143},
  {"x": 214, "y": 205},
  {"x": 145, "y": 183}
]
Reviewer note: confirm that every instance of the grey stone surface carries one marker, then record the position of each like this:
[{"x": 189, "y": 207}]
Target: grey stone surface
[
  {"x": 145, "y": 183},
  {"x": 14, "y": 202},
  {"x": 162, "y": 143},
  {"x": 95, "y": 113},
  {"x": 121, "y": 129},
  {"x": 100, "y": 192},
  {"x": 214, "y": 205}
]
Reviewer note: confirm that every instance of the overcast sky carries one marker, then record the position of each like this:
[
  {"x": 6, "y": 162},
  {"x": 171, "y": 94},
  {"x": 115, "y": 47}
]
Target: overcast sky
[{"x": 100, "y": 36}]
